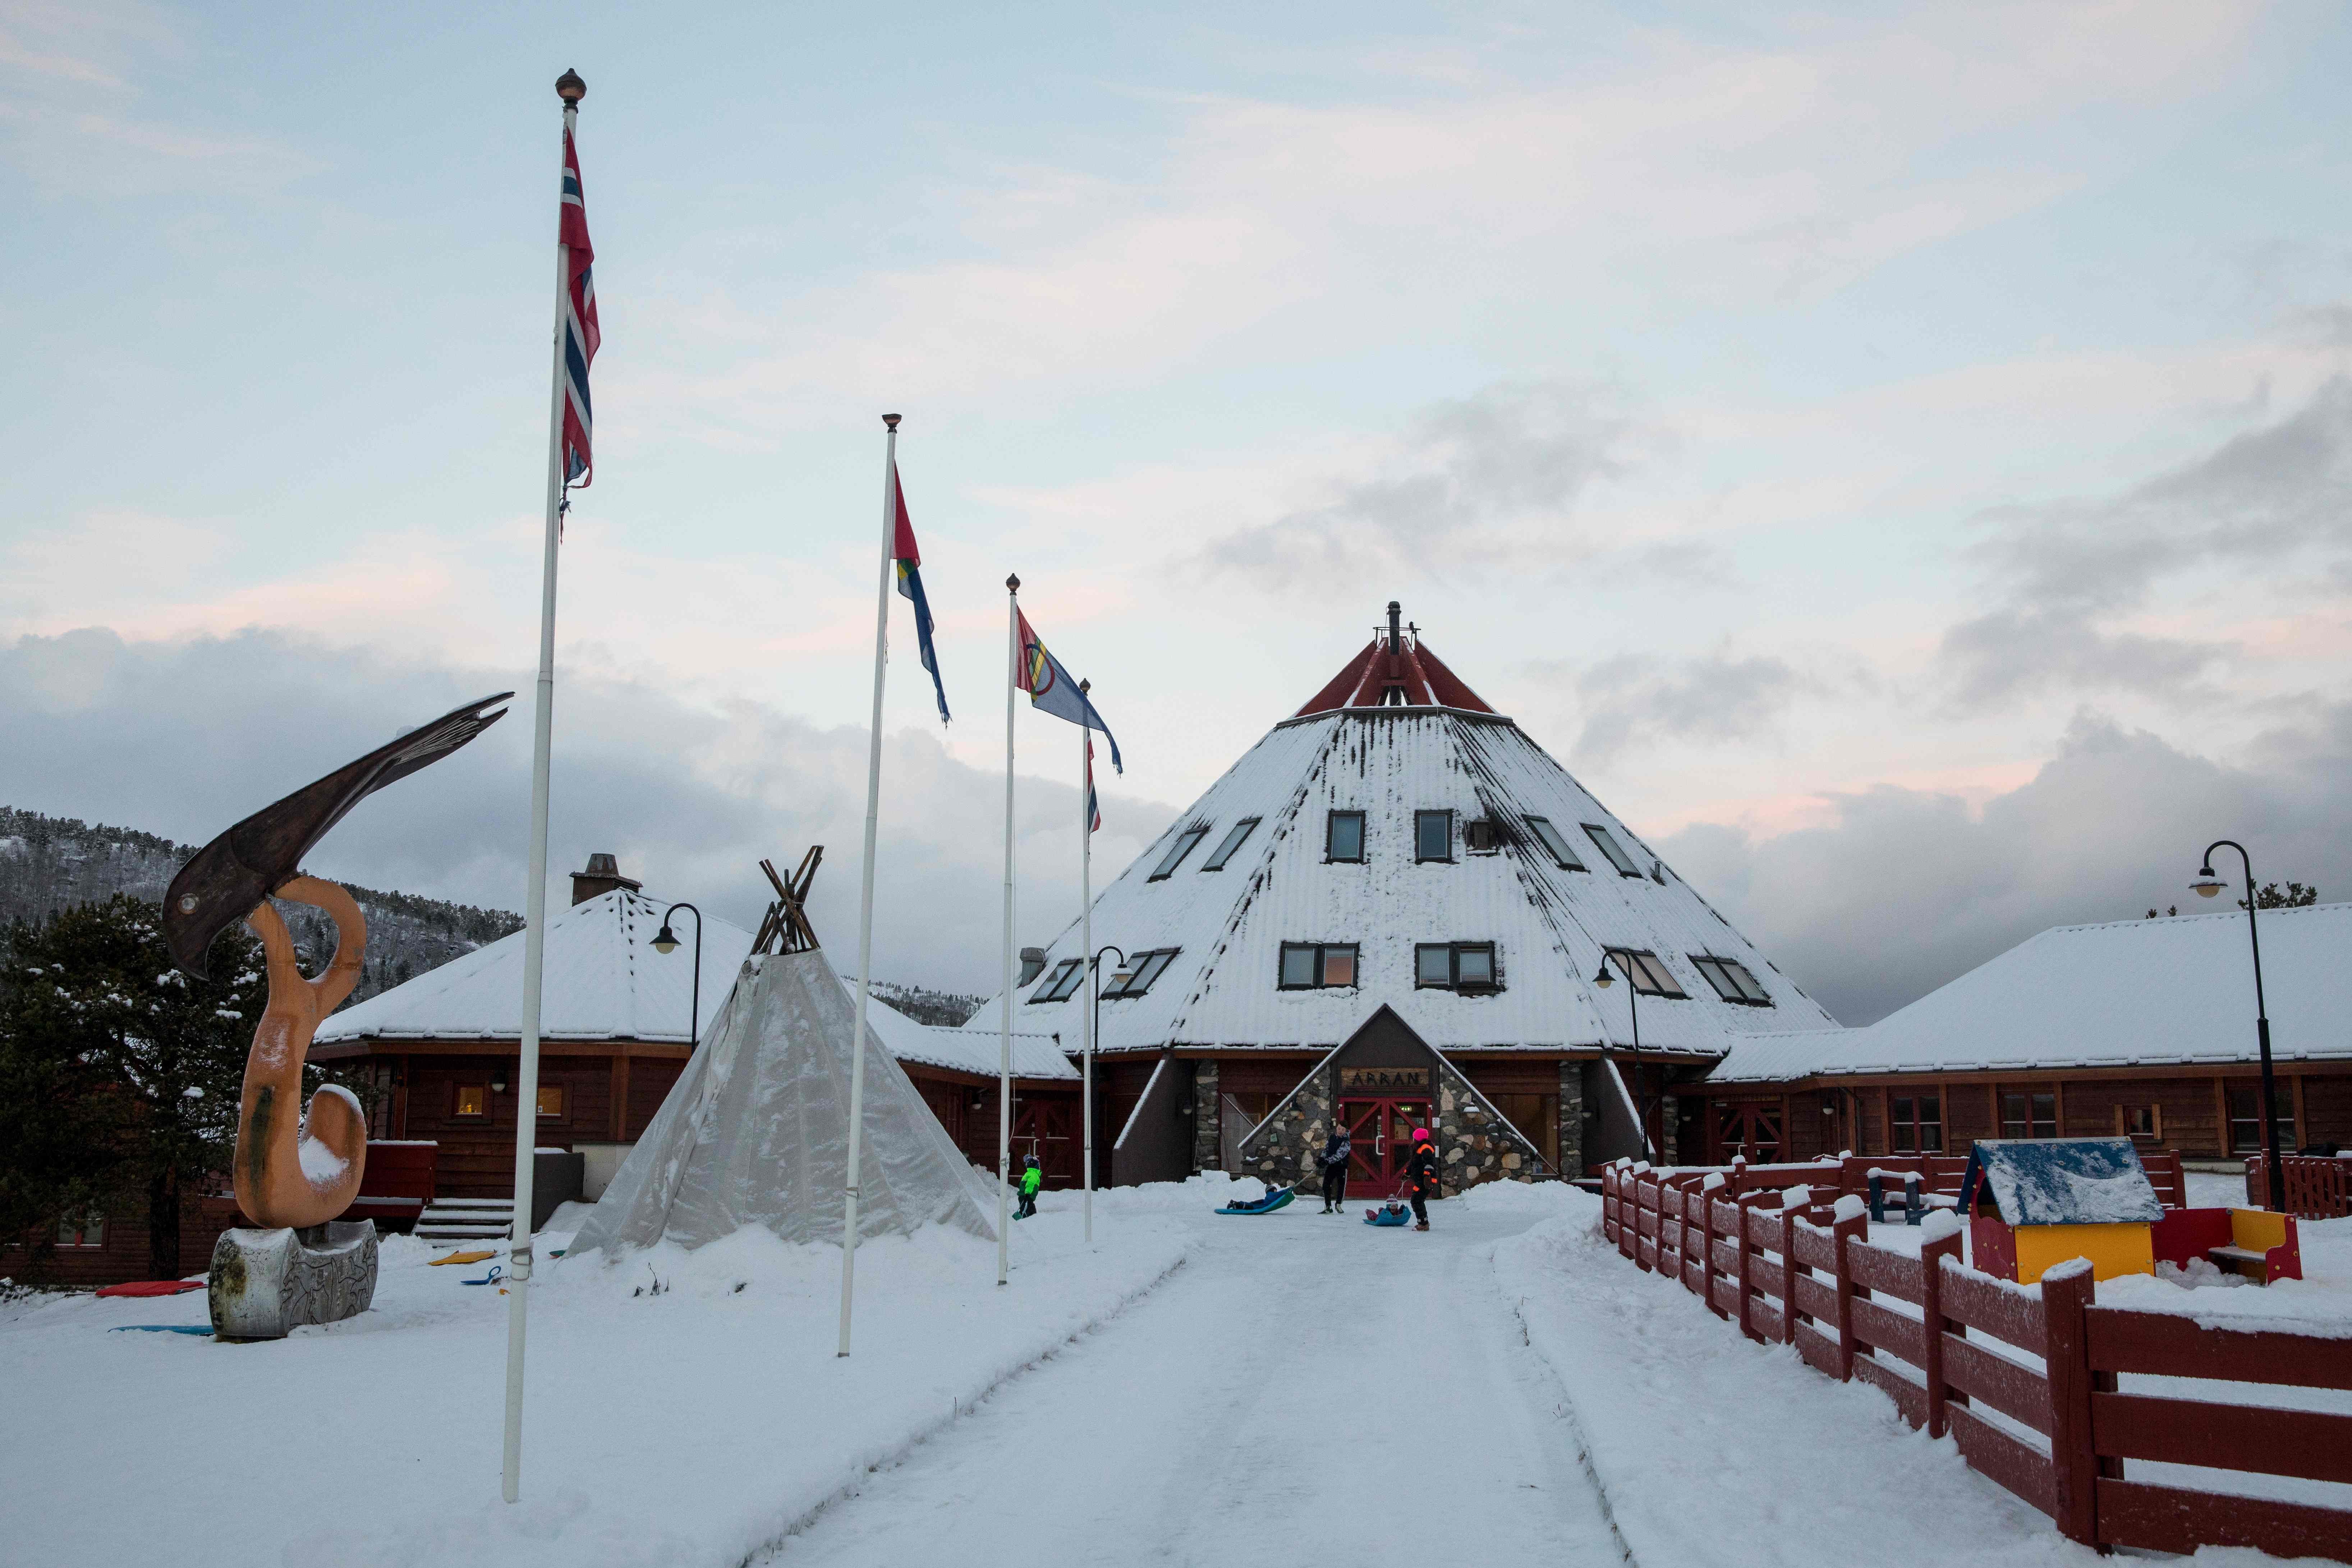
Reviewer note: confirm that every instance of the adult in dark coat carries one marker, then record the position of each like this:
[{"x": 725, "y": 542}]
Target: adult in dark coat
[
  {"x": 1421, "y": 1175},
  {"x": 1334, "y": 1161}
]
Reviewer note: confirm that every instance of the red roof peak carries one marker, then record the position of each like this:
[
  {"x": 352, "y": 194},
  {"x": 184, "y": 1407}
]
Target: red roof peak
[{"x": 1396, "y": 669}]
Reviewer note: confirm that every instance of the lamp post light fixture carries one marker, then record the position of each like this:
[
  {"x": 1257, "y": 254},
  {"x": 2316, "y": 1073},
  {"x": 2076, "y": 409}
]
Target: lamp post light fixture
[
  {"x": 665, "y": 944},
  {"x": 1604, "y": 980},
  {"x": 2205, "y": 887}
]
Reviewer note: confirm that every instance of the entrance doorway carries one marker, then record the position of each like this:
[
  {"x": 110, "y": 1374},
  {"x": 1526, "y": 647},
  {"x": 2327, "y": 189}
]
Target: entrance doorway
[
  {"x": 1380, "y": 1139},
  {"x": 1047, "y": 1129},
  {"x": 1749, "y": 1127}
]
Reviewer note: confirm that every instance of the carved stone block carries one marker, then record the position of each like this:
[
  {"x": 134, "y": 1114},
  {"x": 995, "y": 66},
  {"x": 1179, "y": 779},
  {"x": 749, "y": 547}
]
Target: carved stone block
[{"x": 266, "y": 1283}]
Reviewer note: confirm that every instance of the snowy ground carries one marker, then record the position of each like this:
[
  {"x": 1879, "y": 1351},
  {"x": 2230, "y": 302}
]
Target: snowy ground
[{"x": 1196, "y": 1389}]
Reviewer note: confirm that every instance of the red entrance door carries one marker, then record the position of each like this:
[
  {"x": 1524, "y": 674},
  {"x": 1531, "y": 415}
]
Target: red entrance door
[
  {"x": 1380, "y": 1139},
  {"x": 1046, "y": 1128},
  {"x": 1746, "y": 1127}
]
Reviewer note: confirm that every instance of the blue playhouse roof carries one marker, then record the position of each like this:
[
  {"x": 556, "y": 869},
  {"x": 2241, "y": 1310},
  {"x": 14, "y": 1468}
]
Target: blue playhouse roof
[{"x": 2064, "y": 1181}]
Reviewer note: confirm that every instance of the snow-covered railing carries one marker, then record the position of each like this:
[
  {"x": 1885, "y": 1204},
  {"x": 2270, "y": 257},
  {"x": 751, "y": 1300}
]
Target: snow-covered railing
[{"x": 2024, "y": 1378}]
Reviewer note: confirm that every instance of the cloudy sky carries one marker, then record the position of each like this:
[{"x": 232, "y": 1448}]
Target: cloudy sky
[{"x": 1897, "y": 457}]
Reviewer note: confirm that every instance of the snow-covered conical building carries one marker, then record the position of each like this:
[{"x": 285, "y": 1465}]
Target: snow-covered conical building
[{"x": 1395, "y": 905}]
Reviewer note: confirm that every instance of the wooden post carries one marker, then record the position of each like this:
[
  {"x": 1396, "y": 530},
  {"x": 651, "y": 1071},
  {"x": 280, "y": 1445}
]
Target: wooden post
[
  {"x": 1789, "y": 1272},
  {"x": 2074, "y": 1460},
  {"x": 1931, "y": 1312},
  {"x": 1744, "y": 1261},
  {"x": 1841, "y": 1234}
]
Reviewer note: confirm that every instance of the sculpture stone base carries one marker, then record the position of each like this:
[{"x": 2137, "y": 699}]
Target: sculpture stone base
[{"x": 266, "y": 1283}]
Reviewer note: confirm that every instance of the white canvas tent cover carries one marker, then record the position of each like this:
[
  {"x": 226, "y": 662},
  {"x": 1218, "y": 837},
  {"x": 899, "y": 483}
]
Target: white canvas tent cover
[{"x": 756, "y": 1130}]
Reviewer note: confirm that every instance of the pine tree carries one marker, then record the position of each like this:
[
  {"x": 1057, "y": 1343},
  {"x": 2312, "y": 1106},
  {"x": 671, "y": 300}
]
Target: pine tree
[{"x": 135, "y": 1068}]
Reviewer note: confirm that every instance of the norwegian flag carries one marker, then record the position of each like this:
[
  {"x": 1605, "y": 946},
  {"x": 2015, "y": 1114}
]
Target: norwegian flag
[{"x": 581, "y": 334}]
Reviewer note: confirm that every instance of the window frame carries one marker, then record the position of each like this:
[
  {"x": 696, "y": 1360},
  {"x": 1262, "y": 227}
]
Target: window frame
[
  {"x": 563, "y": 1102},
  {"x": 1470, "y": 831},
  {"x": 1726, "y": 975},
  {"x": 2030, "y": 1121},
  {"x": 1363, "y": 836},
  {"x": 2253, "y": 1119},
  {"x": 1611, "y": 850},
  {"x": 1641, "y": 978},
  {"x": 1320, "y": 965},
  {"x": 1148, "y": 966},
  {"x": 457, "y": 1100},
  {"x": 1453, "y": 981},
  {"x": 1187, "y": 840},
  {"x": 1231, "y": 844},
  {"x": 1911, "y": 1124},
  {"x": 1060, "y": 983},
  {"x": 1421, "y": 816},
  {"x": 84, "y": 1226},
  {"x": 1555, "y": 844}
]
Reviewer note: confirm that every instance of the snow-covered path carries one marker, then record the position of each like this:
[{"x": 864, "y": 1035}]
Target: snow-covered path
[{"x": 1304, "y": 1387}]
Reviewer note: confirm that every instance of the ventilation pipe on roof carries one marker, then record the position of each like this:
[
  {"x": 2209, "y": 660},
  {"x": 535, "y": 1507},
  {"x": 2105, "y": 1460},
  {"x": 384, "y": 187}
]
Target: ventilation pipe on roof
[{"x": 1396, "y": 629}]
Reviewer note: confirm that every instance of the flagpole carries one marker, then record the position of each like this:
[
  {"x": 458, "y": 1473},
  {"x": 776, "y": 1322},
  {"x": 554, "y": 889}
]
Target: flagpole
[
  {"x": 866, "y": 893},
  {"x": 1005, "y": 1012},
  {"x": 572, "y": 89},
  {"x": 1086, "y": 941}
]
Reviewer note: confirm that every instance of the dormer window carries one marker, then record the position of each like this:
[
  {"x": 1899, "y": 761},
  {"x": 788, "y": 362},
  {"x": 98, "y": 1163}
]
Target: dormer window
[
  {"x": 1482, "y": 837},
  {"x": 1432, "y": 835},
  {"x": 1455, "y": 966},
  {"x": 1609, "y": 846},
  {"x": 1343, "y": 836},
  {"x": 1233, "y": 841},
  {"x": 1185, "y": 844},
  {"x": 1554, "y": 844},
  {"x": 1733, "y": 981}
]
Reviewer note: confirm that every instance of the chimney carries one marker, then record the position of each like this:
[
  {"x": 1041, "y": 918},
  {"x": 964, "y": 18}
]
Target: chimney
[
  {"x": 603, "y": 875},
  {"x": 1396, "y": 632}
]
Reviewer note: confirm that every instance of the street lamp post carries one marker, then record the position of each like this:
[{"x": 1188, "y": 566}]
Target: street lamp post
[
  {"x": 665, "y": 944},
  {"x": 1604, "y": 980},
  {"x": 2206, "y": 885},
  {"x": 1120, "y": 977}
]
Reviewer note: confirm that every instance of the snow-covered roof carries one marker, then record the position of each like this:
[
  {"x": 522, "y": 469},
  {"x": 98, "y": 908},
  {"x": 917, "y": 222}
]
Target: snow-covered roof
[
  {"x": 602, "y": 981},
  {"x": 968, "y": 1050},
  {"x": 1548, "y": 923},
  {"x": 2165, "y": 991}
]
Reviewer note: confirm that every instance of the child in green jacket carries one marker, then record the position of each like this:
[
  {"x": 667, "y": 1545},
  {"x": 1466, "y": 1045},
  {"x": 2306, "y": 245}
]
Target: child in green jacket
[{"x": 1032, "y": 1178}]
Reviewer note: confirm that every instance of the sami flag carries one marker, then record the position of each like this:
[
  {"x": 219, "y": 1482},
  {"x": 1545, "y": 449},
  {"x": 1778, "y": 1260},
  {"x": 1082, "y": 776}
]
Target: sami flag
[
  {"x": 1094, "y": 806},
  {"x": 1050, "y": 688},
  {"x": 910, "y": 584},
  {"x": 580, "y": 333}
]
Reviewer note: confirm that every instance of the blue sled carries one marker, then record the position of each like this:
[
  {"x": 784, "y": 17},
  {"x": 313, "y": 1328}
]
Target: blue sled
[
  {"x": 1265, "y": 1205},
  {"x": 1388, "y": 1213}
]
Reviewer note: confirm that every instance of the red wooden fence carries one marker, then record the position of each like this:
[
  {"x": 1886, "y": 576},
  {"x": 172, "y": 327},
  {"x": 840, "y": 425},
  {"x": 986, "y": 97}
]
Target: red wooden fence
[
  {"x": 2319, "y": 1186},
  {"x": 1955, "y": 1349}
]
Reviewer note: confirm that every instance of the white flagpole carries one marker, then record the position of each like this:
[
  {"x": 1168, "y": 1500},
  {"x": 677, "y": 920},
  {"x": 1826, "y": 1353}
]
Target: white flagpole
[
  {"x": 519, "y": 1258},
  {"x": 1087, "y": 943},
  {"x": 1005, "y": 1012},
  {"x": 866, "y": 894}
]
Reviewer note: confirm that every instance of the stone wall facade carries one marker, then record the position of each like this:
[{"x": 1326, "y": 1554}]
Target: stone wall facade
[
  {"x": 1208, "y": 1146},
  {"x": 1571, "y": 1121}
]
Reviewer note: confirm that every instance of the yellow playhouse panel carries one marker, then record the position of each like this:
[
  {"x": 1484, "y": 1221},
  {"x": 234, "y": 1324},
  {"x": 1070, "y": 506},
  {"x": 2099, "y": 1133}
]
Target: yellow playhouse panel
[{"x": 2114, "y": 1250}]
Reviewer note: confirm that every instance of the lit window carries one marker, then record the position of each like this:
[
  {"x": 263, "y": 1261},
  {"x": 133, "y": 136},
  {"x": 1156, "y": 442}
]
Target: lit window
[
  {"x": 1317, "y": 965},
  {"x": 1554, "y": 844},
  {"x": 1918, "y": 1124},
  {"x": 1343, "y": 838},
  {"x": 2029, "y": 1115},
  {"x": 1733, "y": 981},
  {"x": 1432, "y": 835},
  {"x": 1060, "y": 983},
  {"x": 1617, "y": 857},
  {"x": 1481, "y": 837},
  {"x": 1459, "y": 965},
  {"x": 551, "y": 1100},
  {"x": 473, "y": 1099},
  {"x": 1145, "y": 968},
  {"x": 82, "y": 1230},
  {"x": 1176, "y": 853},
  {"x": 1234, "y": 840}
]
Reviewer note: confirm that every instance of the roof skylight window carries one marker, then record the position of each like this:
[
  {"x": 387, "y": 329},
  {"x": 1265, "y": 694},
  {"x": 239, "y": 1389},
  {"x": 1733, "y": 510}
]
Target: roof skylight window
[
  {"x": 1648, "y": 972},
  {"x": 1148, "y": 967},
  {"x": 1176, "y": 853},
  {"x": 1432, "y": 835},
  {"x": 1060, "y": 983},
  {"x": 1617, "y": 857},
  {"x": 1554, "y": 844},
  {"x": 1733, "y": 981},
  {"x": 1343, "y": 836},
  {"x": 1317, "y": 965},
  {"x": 1234, "y": 840},
  {"x": 1455, "y": 966}
]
